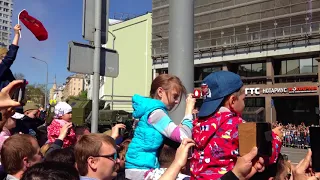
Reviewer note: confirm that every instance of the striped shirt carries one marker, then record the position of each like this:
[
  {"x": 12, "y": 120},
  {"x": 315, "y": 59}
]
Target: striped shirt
[{"x": 162, "y": 123}]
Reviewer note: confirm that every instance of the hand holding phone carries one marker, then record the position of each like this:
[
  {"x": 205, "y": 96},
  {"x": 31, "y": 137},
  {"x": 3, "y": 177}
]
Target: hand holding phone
[
  {"x": 196, "y": 93},
  {"x": 315, "y": 147},
  {"x": 19, "y": 93},
  {"x": 116, "y": 130},
  {"x": 258, "y": 135},
  {"x": 6, "y": 95}
]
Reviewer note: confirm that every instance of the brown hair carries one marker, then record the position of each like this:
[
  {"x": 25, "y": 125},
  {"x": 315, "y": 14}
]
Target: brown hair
[
  {"x": 167, "y": 82},
  {"x": 124, "y": 148},
  {"x": 14, "y": 149},
  {"x": 236, "y": 94},
  {"x": 167, "y": 155},
  {"x": 3, "y": 52},
  {"x": 89, "y": 145}
]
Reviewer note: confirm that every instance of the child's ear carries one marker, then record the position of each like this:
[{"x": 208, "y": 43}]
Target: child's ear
[
  {"x": 230, "y": 101},
  {"x": 233, "y": 99},
  {"x": 160, "y": 91}
]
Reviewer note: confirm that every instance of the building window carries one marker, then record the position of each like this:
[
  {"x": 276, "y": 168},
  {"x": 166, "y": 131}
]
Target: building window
[
  {"x": 201, "y": 72},
  {"x": 255, "y": 102},
  {"x": 306, "y": 66},
  {"x": 161, "y": 71},
  {"x": 252, "y": 70},
  {"x": 6, "y": 4},
  {"x": 299, "y": 66},
  {"x": 292, "y": 67},
  {"x": 314, "y": 65}
]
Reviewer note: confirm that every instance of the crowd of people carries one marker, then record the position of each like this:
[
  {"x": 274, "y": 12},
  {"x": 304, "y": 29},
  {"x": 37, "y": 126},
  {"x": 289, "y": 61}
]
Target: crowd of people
[
  {"x": 205, "y": 146},
  {"x": 295, "y": 136}
]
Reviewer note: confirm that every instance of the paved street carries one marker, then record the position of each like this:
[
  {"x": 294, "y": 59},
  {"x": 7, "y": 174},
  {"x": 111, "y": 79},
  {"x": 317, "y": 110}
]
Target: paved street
[{"x": 294, "y": 154}]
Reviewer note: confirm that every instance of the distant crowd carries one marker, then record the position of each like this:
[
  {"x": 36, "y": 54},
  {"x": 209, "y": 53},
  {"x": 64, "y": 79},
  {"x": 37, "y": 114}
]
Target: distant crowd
[{"x": 295, "y": 136}]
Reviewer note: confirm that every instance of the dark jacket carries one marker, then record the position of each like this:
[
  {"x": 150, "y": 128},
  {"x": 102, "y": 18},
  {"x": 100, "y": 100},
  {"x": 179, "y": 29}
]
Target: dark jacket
[
  {"x": 56, "y": 145},
  {"x": 6, "y": 75},
  {"x": 229, "y": 176}
]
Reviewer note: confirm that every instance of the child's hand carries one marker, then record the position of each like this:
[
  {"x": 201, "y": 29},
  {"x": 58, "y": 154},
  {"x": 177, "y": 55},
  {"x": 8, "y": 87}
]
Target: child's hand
[
  {"x": 64, "y": 131},
  {"x": 17, "y": 29},
  {"x": 190, "y": 102},
  {"x": 116, "y": 129}
]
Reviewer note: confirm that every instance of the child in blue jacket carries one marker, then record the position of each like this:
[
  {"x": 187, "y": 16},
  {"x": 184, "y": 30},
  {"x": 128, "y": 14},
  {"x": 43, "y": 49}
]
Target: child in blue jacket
[{"x": 155, "y": 124}]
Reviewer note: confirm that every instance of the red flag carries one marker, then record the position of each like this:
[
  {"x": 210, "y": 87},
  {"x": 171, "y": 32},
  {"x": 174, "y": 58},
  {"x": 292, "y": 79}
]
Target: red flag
[{"x": 34, "y": 25}]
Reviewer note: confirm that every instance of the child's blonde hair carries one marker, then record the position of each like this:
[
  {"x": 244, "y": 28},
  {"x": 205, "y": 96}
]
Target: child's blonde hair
[
  {"x": 45, "y": 148},
  {"x": 236, "y": 94},
  {"x": 3, "y": 52}
]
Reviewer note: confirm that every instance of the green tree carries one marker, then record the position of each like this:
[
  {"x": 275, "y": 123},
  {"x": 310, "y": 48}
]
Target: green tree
[
  {"x": 81, "y": 96},
  {"x": 36, "y": 93}
]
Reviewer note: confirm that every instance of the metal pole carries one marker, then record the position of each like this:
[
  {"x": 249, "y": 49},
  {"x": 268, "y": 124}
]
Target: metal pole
[
  {"x": 271, "y": 115},
  {"x": 96, "y": 67},
  {"x": 45, "y": 94},
  {"x": 181, "y": 58},
  {"x": 112, "y": 88}
]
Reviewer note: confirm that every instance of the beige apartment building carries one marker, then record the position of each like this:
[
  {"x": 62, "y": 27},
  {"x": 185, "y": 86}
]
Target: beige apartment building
[{"x": 74, "y": 85}]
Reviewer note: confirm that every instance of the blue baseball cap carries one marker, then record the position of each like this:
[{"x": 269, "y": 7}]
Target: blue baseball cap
[{"x": 215, "y": 87}]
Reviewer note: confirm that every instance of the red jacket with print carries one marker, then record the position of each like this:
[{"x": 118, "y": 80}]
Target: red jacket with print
[
  {"x": 215, "y": 155},
  {"x": 54, "y": 132}
]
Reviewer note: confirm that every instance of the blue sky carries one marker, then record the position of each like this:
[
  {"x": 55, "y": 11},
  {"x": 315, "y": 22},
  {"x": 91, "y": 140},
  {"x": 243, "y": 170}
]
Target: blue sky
[{"x": 63, "y": 21}]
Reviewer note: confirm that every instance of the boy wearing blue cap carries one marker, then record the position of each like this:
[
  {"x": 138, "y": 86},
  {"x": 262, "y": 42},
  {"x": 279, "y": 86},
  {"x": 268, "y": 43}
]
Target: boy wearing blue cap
[{"x": 215, "y": 130}]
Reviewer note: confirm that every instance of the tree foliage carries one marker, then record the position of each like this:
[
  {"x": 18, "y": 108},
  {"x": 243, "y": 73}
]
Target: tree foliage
[
  {"x": 36, "y": 93},
  {"x": 81, "y": 96}
]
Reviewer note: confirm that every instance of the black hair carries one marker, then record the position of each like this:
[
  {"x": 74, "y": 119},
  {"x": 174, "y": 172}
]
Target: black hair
[
  {"x": 51, "y": 171},
  {"x": 79, "y": 130},
  {"x": 273, "y": 170},
  {"x": 65, "y": 155},
  {"x": 166, "y": 156}
]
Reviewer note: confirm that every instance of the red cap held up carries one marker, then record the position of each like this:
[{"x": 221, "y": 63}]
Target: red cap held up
[{"x": 34, "y": 25}]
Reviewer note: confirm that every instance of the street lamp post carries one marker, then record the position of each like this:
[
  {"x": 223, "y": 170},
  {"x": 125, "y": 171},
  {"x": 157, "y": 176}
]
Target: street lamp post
[{"x": 45, "y": 94}]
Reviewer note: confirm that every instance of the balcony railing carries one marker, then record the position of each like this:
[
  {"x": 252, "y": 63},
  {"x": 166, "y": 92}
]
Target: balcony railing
[{"x": 250, "y": 39}]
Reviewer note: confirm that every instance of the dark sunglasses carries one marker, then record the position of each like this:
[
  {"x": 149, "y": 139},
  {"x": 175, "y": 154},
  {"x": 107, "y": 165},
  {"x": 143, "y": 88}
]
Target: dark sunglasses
[{"x": 112, "y": 157}]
